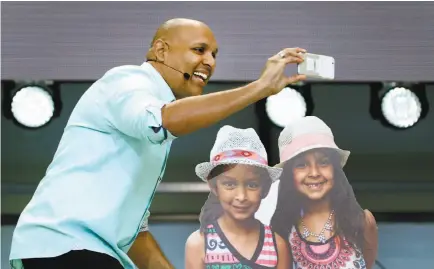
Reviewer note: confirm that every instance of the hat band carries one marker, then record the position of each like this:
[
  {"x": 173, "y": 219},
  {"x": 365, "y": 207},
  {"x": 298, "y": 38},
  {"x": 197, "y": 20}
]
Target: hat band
[
  {"x": 303, "y": 141},
  {"x": 237, "y": 154}
]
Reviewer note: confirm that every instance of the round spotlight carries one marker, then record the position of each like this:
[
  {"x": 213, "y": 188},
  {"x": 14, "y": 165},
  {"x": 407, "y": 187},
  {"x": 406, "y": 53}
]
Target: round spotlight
[
  {"x": 32, "y": 106},
  {"x": 401, "y": 107},
  {"x": 284, "y": 107}
]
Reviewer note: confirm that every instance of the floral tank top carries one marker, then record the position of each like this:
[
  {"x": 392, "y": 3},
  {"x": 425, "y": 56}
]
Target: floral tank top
[
  {"x": 335, "y": 253},
  {"x": 220, "y": 254}
]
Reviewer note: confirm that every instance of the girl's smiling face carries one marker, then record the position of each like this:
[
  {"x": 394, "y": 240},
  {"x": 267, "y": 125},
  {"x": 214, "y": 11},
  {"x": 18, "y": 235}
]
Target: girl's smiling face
[
  {"x": 240, "y": 191},
  {"x": 313, "y": 174}
]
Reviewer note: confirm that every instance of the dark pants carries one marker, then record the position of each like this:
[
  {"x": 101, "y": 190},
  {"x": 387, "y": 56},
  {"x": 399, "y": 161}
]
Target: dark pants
[{"x": 74, "y": 260}]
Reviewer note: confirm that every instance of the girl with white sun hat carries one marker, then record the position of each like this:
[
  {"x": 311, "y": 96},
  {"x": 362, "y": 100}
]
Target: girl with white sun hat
[{"x": 229, "y": 236}]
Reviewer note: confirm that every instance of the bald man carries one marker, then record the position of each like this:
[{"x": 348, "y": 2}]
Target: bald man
[{"x": 92, "y": 206}]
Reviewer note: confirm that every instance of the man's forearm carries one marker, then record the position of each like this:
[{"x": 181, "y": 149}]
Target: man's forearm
[
  {"x": 187, "y": 115},
  {"x": 146, "y": 253}
]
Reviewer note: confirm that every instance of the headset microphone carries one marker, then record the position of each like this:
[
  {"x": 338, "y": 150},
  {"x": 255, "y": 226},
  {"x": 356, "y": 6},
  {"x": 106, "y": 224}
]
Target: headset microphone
[{"x": 187, "y": 76}]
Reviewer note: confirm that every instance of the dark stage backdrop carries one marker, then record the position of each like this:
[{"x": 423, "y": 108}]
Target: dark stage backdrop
[{"x": 391, "y": 171}]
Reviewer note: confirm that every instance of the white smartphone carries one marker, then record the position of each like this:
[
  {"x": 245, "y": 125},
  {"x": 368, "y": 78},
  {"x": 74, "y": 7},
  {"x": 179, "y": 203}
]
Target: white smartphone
[{"x": 317, "y": 66}]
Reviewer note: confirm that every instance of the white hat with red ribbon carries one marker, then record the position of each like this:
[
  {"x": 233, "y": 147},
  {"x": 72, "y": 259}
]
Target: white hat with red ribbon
[{"x": 237, "y": 146}]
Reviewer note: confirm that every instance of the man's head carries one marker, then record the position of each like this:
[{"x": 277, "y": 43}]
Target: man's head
[{"x": 188, "y": 46}]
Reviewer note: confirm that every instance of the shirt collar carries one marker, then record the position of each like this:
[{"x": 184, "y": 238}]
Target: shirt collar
[{"x": 165, "y": 91}]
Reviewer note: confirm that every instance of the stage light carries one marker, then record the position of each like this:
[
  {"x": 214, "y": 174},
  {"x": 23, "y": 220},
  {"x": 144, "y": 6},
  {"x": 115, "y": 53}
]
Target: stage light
[
  {"x": 401, "y": 107},
  {"x": 31, "y": 105},
  {"x": 291, "y": 103},
  {"x": 398, "y": 106}
]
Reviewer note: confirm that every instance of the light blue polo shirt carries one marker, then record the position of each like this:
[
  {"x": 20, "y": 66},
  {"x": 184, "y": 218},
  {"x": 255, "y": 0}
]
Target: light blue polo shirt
[{"x": 97, "y": 191}]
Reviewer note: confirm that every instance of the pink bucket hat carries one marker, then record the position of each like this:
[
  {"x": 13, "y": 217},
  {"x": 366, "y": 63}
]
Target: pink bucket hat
[{"x": 305, "y": 134}]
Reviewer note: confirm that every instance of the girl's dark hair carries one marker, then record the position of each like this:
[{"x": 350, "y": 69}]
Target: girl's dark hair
[
  {"x": 212, "y": 208},
  {"x": 349, "y": 215}
]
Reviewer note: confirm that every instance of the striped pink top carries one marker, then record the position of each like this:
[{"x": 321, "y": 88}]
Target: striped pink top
[{"x": 220, "y": 254}]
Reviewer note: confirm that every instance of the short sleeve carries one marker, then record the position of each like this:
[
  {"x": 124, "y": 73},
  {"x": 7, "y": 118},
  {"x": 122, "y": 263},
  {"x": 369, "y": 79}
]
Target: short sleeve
[
  {"x": 132, "y": 106},
  {"x": 144, "y": 225}
]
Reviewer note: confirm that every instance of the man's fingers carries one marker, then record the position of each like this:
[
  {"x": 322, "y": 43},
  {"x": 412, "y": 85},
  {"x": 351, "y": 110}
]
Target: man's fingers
[
  {"x": 295, "y": 52},
  {"x": 295, "y": 79},
  {"x": 292, "y": 60},
  {"x": 300, "y": 50}
]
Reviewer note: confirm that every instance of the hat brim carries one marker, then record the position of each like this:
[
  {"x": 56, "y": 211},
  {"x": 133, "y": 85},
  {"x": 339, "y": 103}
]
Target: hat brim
[
  {"x": 203, "y": 169},
  {"x": 344, "y": 154}
]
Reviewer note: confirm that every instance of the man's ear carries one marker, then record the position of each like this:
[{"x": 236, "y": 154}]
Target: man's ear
[{"x": 160, "y": 49}]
